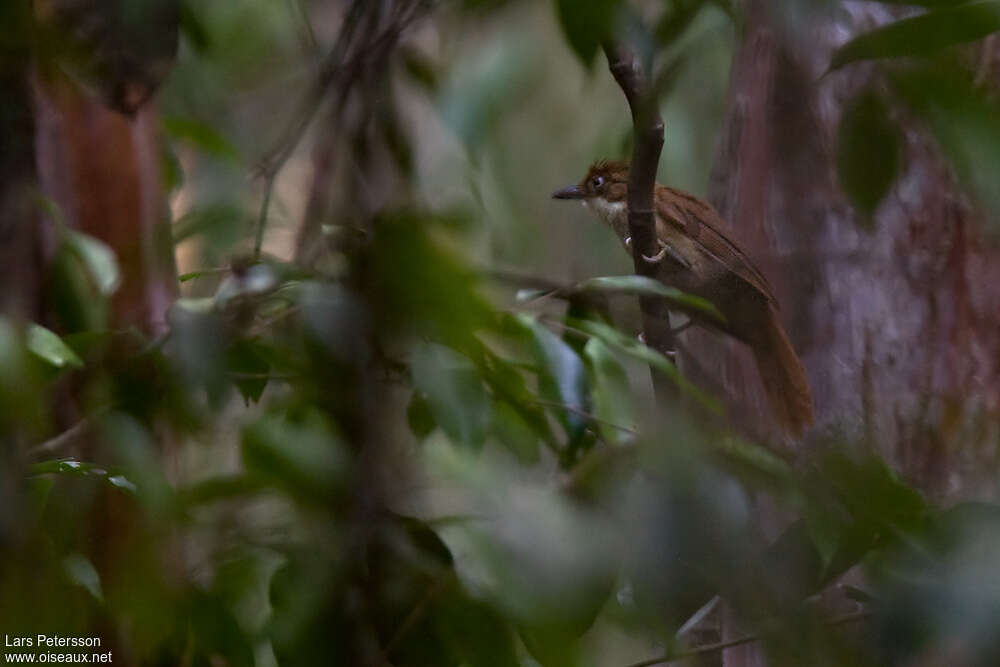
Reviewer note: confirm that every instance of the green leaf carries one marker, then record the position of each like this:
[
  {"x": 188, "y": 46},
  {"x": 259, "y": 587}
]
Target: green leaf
[
  {"x": 219, "y": 223},
  {"x": 455, "y": 393},
  {"x": 587, "y": 24},
  {"x": 515, "y": 433},
  {"x": 634, "y": 348},
  {"x": 82, "y": 572},
  {"x": 924, "y": 34},
  {"x": 563, "y": 378},
  {"x": 507, "y": 383},
  {"x": 48, "y": 346},
  {"x": 612, "y": 396},
  {"x": 201, "y": 136},
  {"x": 302, "y": 456},
  {"x": 98, "y": 258},
  {"x": 419, "y": 416},
  {"x": 869, "y": 146},
  {"x": 69, "y": 466},
  {"x": 643, "y": 285},
  {"x": 249, "y": 368},
  {"x": 676, "y": 20},
  {"x": 420, "y": 69}
]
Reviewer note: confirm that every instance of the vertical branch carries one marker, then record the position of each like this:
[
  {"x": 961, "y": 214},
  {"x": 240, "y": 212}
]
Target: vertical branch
[{"x": 631, "y": 76}]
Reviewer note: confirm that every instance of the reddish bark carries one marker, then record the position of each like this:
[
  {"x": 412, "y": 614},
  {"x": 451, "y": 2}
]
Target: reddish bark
[{"x": 102, "y": 169}]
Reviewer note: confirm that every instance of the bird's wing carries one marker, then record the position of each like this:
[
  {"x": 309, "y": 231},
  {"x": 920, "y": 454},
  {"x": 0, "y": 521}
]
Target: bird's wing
[{"x": 702, "y": 223}]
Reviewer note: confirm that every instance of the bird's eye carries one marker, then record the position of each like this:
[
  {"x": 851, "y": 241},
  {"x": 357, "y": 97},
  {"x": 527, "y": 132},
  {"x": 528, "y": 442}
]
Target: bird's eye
[{"x": 596, "y": 182}]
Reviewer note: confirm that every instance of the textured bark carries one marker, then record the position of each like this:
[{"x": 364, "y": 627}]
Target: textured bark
[{"x": 896, "y": 325}]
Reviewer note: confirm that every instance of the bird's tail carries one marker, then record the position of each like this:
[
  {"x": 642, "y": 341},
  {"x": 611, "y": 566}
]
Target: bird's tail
[{"x": 783, "y": 375}]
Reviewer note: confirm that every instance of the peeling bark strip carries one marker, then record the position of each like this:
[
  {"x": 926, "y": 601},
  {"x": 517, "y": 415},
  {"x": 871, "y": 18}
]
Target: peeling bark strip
[{"x": 631, "y": 76}]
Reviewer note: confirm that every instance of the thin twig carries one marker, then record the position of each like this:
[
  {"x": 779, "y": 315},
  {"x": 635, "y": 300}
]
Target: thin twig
[
  {"x": 336, "y": 68},
  {"x": 262, "y": 216},
  {"x": 67, "y": 437},
  {"x": 740, "y": 641},
  {"x": 586, "y": 415},
  {"x": 418, "y": 611},
  {"x": 302, "y": 15}
]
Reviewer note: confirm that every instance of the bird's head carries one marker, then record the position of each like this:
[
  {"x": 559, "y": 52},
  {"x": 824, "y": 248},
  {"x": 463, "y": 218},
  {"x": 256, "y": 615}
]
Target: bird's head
[{"x": 604, "y": 189}]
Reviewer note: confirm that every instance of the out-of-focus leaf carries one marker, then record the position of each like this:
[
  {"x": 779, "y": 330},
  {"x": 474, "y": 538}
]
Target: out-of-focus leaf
[
  {"x": 473, "y": 105},
  {"x": 215, "y": 631},
  {"x": 420, "y": 69},
  {"x": 49, "y": 347},
  {"x": 420, "y": 286},
  {"x": 82, "y": 572},
  {"x": 194, "y": 275},
  {"x": 21, "y": 377},
  {"x": 419, "y": 416},
  {"x": 634, "y": 348},
  {"x": 923, "y": 34},
  {"x": 303, "y": 457},
  {"x": 643, "y": 285},
  {"x": 676, "y": 20},
  {"x": 564, "y": 378},
  {"x": 508, "y": 384},
  {"x": 249, "y": 368},
  {"x": 868, "y": 152},
  {"x": 337, "y": 319},
  {"x": 396, "y": 138},
  {"x": 38, "y": 490},
  {"x": 587, "y": 24},
  {"x": 193, "y": 29},
  {"x": 219, "y": 488},
  {"x": 81, "y": 469},
  {"x": 688, "y": 524},
  {"x": 521, "y": 551},
  {"x": 455, "y": 393},
  {"x": 515, "y": 433},
  {"x": 966, "y": 122},
  {"x": 221, "y": 223},
  {"x": 170, "y": 167},
  {"x": 98, "y": 259},
  {"x": 202, "y": 136},
  {"x": 613, "y": 403},
  {"x": 197, "y": 345}
]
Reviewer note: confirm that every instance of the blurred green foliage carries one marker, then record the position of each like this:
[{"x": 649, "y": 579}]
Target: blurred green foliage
[{"x": 380, "y": 458}]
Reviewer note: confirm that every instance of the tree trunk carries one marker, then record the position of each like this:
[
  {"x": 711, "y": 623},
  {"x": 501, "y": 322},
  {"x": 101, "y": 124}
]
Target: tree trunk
[
  {"x": 102, "y": 169},
  {"x": 896, "y": 325}
]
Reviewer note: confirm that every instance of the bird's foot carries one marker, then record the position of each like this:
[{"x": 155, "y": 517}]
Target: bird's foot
[
  {"x": 666, "y": 249},
  {"x": 658, "y": 257}
]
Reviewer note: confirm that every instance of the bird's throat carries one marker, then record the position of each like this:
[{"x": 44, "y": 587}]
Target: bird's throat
[{"x": 612, "y": 213}]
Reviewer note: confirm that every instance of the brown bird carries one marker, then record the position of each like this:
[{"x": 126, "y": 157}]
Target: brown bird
[{"x": 698, "y": 256}]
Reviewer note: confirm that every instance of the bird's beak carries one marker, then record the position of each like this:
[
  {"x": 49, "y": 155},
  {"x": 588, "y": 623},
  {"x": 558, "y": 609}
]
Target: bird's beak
[{"x": 569, "y": 192}]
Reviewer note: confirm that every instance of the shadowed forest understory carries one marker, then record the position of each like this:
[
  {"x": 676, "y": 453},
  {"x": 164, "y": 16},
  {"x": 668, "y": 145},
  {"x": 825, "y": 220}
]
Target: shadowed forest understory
[{"x": 301, "y": 363}]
